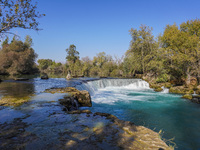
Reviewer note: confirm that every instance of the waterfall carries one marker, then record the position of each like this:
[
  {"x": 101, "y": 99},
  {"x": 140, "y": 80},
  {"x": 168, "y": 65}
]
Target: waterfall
[
  {"x": 93, "y": 86},
  {"x": 165, "y": 90}
]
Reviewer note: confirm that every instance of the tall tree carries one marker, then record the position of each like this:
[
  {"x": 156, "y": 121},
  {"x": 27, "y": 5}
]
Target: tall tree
[
  {"x": 141, "y": 48},
  {"x": 72, "y": 54}
]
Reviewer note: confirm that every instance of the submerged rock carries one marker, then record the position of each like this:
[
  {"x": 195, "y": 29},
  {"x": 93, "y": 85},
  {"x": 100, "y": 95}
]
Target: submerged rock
[
  {"x": 13, "y": 101},
  {"x": 21, "y": 79}
]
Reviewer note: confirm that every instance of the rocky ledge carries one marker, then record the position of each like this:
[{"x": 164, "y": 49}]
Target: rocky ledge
[
  {"x": 103, "y": 130},
  {"x": 73, "y": 98}
]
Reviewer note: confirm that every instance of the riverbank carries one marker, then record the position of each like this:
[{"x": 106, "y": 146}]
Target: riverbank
[{"x": 189, "y": 91}]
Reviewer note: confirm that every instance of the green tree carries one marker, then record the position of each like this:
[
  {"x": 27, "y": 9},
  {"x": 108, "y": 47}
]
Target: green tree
[
  {"x": 141, "y": 49},
  {"x": 72, "y": 54},
  {"x": 180, "y": 48},
  {"x": 72, "y": 59},
  {"x": 18, "y": 13},
  {"x": 17, "y": 58},
  {"x": 44, "y": 63}
]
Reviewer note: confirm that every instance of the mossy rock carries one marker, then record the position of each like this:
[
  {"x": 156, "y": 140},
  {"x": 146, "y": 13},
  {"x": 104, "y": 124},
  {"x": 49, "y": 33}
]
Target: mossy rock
[
  {"x": 13, "y": 101},
  {"x": 168, "y": 85},
  {"x": 187, "y": 96},
  {"x": 83, "y": 97},
  {"x": 181, "y": 90},
  {"x": 158, "y": 89},
  {"x": 155, "y": 86}
]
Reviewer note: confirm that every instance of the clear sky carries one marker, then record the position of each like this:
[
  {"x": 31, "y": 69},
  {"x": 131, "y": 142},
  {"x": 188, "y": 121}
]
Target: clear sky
[{"x": 101, "y": 25}]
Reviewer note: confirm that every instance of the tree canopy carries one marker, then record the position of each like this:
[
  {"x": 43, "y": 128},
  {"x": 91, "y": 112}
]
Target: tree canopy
[{"x": 18, "y": 13}]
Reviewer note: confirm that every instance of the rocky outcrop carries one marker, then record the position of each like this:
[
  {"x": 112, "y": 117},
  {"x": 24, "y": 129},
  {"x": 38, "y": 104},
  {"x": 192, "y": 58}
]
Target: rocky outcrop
[
  {"x": 181, "y": 90},
  {"x": 187, "y": 96},
  {"x": 74, "y": 97},
  {"x": 196, "y": 99}
]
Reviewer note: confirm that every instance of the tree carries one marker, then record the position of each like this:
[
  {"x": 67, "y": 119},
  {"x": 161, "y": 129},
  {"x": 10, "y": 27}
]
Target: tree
[
  {"x": 141, "y": 48},
  {"x": 181, "y": 49},
  {"x": 17, "y": 58},
  {"x": 72, "y": 59},
  {"x": 18, "y": 13},
  {"x": 72, "y": 54},
  {"x": 44, "y": 63}
]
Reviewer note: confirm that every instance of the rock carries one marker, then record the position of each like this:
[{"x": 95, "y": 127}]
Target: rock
[
  {"x": 44, "y": 77},
  {"x": 80, "y": 112},
  {"x": 181, "y": 90},
  {"x": 21, "y": 79},
  {"x": 69, "y": 102},
  {"x": 196, "y": 99},
  {"x": 192, "y": 81},
  {"x": 68, "y": 77},
  {"x": 83, "y": 97},
  {"x": 158, "y": 89},
  {"x": 187, "y": 96}
]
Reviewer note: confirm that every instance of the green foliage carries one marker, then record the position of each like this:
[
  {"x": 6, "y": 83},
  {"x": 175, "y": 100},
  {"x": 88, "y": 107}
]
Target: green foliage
[
  {"x": 44, "y": 63},
  {"x": 17, "y": 58},
  {"x": 163, "y": 78},
  {"x": 72, "y": 54},
  {"x": 18, "y": 13}
]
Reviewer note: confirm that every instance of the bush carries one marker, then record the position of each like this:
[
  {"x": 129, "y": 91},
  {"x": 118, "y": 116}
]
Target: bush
[{"x": 163, "y": 78}]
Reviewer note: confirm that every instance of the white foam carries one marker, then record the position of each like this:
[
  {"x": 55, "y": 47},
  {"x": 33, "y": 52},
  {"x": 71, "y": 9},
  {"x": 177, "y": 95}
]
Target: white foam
[{"x": 165, "y": 90}]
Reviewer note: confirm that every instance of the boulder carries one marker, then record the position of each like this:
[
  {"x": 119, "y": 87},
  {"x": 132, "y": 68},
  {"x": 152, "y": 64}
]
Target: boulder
[
  {"x": 181, "y": 90},
  {"x": 69, "y": 102},
  {"x": 82, "y": 97},
  {"x": 158, "y": 89},
  {"x": 68, "y": 77},
  {"x": 196, "y": 99},
  {"x": 44, "y": 77},
  {"x": 187, "y": 96}
]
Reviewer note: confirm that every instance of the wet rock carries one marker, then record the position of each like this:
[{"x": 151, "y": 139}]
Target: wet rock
[
  {"x": 181, "y": 90},
  {"x": 21, "y": 79},
  {"x": 158, "y": 89},
  {"x": 187, "y": 96},
  {"x": 44, "y": 77},
  {"x": 13, "y": 101},
  {"x": 83, "y": 97},
  {"x": 196, "y": 99},
  {"x": 69, "y": 102}
]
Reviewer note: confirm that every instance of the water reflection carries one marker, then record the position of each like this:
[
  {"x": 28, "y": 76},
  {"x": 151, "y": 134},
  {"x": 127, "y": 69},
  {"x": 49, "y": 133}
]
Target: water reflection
[{"x": 16, "y": 89}]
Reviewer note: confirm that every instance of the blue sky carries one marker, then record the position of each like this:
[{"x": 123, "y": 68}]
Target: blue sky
[{"x": 101, "y": 25}]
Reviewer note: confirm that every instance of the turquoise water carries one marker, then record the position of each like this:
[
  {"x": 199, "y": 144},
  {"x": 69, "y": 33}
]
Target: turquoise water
[
  {"x": 130, "y": 100},
  {"x": 176, "y": 117}
]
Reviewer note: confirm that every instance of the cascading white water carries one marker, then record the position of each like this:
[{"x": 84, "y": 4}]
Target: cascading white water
[
  {"x": 135, "y": 84},
  {"x": 165, "y": 90}
]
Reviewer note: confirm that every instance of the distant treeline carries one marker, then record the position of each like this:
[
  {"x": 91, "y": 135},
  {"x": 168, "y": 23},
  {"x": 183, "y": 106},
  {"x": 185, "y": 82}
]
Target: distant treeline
[{"x": 173, "y": 55}]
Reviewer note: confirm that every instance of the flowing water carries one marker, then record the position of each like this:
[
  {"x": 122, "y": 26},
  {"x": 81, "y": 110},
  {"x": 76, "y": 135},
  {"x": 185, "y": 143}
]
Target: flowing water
[
  {"x": 133, "y": 100},
  {"x": 128, "y": 99}
]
